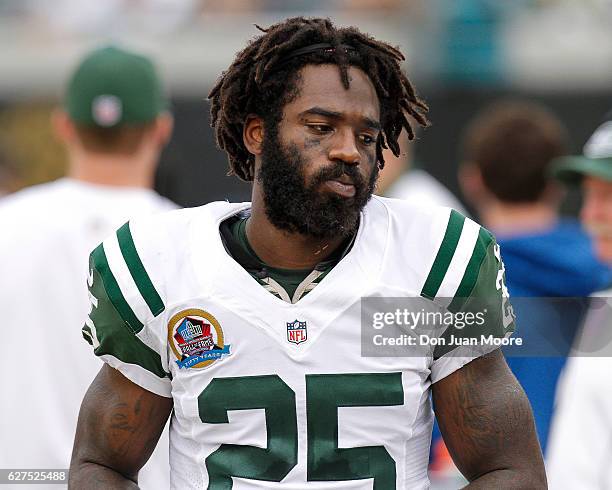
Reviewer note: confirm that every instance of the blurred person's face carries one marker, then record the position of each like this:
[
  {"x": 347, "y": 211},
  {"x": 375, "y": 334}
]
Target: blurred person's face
[
  {"x": 318, "y": 167},
  {"x": 596, "y": 215}
]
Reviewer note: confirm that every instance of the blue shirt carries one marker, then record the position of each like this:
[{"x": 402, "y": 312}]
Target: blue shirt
[{"x": 559, "y": 262}]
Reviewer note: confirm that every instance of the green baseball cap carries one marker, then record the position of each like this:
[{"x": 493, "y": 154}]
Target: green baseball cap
[
  {"x": 596, "y": 160},
  {"x": 113, "y": 87}
]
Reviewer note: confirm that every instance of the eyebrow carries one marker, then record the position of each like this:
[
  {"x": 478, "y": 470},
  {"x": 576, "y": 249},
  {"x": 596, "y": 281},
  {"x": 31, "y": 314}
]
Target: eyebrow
[{"x": 319, "y": 111}]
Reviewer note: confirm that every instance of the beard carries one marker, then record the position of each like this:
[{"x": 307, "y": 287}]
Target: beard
[{"x": 293, "y": 206}]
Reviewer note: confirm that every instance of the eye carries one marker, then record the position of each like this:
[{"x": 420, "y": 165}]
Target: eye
[
  {"x": 367, "y": 139},
  {"x": 320, "y": 128}
]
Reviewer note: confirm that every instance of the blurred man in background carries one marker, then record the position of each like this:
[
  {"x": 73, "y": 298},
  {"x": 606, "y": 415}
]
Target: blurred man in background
[
  {"x": 114, "y": 125},
  {"x": 580, "y": 446},
  {"x": 507, "y": 149}
]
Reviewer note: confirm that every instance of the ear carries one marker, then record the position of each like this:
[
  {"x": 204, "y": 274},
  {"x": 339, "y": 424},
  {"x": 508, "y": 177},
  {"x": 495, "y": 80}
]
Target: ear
[
  {"x": 470, "y": 181},
  {"x": 164, "y": 125},
  {"x": 63, "y": 127},
  {"x": 253, "y": 134}
]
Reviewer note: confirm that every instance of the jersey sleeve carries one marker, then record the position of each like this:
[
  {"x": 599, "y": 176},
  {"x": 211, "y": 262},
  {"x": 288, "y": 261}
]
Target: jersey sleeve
[
  {"x": 468, "y": 279},
  {"x": 124, "y": 306}
]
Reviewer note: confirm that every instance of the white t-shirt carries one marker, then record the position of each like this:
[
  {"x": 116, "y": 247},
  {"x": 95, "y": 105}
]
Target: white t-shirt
[
  {"x": 46, "y": 234},
  {"x": 580, "y": 444},
  {"x": 419, "y": 187}
]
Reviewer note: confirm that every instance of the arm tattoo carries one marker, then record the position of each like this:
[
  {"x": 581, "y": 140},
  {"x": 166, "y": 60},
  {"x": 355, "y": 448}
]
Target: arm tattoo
[
  {"x": 488, "y": 426},
  {"x": 119, "y": 426}
]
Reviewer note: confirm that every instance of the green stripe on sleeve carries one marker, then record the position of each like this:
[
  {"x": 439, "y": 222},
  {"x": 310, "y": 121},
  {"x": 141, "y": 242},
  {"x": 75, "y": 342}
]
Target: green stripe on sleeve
[
  {"x": 115, "y": 337},
  {"x": 137, "y": 270},
  {"x": 444, "y": 255},
  {"x": 480, "y": 293},
  {"x": 115, "y": 295},
  {"x": 470, "y": 277},
  {"x": 86, "y": 331}
]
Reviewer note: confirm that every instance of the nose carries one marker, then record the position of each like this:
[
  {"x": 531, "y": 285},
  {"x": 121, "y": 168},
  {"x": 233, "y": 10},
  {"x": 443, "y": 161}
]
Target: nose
[{"x": 344, "y": 148}]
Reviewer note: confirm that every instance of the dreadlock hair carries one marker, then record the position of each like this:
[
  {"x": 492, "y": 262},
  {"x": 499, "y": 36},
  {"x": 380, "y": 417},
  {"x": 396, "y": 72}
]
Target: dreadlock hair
[{"x": 264, "y": 77}]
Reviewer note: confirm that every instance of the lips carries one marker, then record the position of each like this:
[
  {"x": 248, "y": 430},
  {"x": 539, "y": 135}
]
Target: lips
[{"x": 342, "y": 186}]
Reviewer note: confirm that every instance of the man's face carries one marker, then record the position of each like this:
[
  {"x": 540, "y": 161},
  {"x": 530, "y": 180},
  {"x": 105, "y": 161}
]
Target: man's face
[
  {"x": 596, "y": 214},
  {"x": 318, "y": 168}
]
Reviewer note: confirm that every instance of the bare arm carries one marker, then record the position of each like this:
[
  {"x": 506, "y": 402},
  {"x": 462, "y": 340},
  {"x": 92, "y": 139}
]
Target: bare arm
[
  {"x": 488, "y": 426},
  {"x": 118, "y": 428}
]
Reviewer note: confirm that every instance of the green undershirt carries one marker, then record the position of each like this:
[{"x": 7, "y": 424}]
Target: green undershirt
[{"x": 288, "y": 279}]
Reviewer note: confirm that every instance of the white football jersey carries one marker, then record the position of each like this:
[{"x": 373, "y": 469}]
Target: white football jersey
[{"x": 273, "y": 395}]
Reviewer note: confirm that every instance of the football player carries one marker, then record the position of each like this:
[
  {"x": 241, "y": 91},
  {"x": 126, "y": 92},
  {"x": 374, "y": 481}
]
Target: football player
[{"x": 242, "y": 321}]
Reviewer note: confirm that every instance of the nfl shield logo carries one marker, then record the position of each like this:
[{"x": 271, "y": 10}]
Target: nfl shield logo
[{"x": 296, "y": 332}]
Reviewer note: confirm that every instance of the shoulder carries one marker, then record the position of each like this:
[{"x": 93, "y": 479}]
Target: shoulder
[
  {"x": 407, "y": 217},
  {"x": 431, "y": 250},
  {"x": 171, "y": 228},
  {"x": 159, "y": 235},
  {"x": 135, "y": 274},
  {"x": 443, "y": 233},
  {"x": 454, "y": 255},
  {"x": 163, "y": 203},
  {"x": 32, "y": 216},
  {"x": 153, "y": 251},
  {"x": 446, "y": 257},
  {"x": 28, "y": 201},
  {"x": 410, "y": 213}
]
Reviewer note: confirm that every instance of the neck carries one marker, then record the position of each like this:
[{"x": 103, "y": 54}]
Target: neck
[
  {"x": 506, "y": 218},
  {"x": 284, "y": 250},
  {"x": 112, "y": 170}
]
